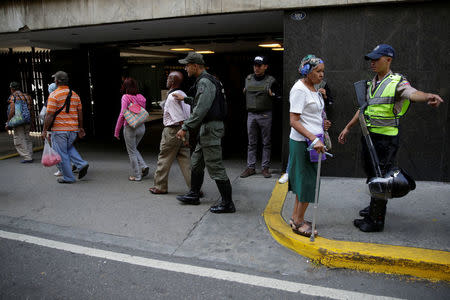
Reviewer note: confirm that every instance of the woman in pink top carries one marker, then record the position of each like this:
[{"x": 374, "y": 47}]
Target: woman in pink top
[{"x": 132, "y": 136}]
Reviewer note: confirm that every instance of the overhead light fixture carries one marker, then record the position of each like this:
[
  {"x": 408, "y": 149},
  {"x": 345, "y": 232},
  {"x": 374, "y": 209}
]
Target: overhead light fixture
[
  {"x": 181, "y": 49},
  {"x": 270, "y": 45},
  {"x": 205, "y": 52},
  {"x": 278, "y": 49}
]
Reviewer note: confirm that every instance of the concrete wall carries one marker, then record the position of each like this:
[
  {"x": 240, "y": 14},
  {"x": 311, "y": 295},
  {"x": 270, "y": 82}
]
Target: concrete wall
[
  {"x": 46, "y": 14},
  {"x": 341, "y": 36}
]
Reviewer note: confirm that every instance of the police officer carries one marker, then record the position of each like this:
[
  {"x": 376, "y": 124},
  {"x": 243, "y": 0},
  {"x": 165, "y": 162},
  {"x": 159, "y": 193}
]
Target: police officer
[
  {"x": 208, "y": 114},
  {"x": 259, "y": 93},
  {"x": 388, "y": 98}
]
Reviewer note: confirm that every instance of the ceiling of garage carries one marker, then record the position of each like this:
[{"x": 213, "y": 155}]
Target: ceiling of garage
[{"x": 220, "y": 33}]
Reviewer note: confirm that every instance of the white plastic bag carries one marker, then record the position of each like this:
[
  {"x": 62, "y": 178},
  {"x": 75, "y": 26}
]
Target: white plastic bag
[{"x": 49, "y": 156}]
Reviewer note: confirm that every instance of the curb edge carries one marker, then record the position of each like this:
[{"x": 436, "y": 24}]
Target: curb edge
[
  {"x": 35, "y": 149},
  {"x": 429, "y": 264}
]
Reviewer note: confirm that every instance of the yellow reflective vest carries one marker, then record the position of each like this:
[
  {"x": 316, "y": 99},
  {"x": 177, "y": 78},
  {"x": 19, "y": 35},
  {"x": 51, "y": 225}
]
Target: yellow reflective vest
[{"x": 382, "y": 113}]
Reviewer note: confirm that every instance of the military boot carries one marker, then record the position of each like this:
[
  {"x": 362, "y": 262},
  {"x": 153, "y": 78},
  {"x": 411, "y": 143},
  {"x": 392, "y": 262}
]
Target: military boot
[
  {"x": 374, "y": 222},
  {"x": 225, "y": 204},
  {"x": 364, "y": 212},
  {"x": 193, "y": 196}
]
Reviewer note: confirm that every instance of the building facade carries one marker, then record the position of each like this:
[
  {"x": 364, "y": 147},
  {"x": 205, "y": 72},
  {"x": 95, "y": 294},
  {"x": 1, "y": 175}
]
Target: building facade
[{"x": 98, "y": 41}]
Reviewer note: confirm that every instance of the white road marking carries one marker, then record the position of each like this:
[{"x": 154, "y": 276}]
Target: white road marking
[{"x": 259, "y": 281}]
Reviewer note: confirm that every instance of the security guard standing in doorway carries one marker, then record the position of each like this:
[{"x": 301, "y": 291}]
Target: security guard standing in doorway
[
  {"x": 388, "y": 98},
  {"x": 260, "y": 91},
  {"x": 208, "y": 114}
]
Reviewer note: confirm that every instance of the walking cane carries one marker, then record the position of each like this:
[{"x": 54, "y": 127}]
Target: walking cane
[{"x": 316, "y": 197}]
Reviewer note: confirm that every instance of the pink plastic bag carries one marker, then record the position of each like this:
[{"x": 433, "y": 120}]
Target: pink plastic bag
[{"x": 50, "y": 157}]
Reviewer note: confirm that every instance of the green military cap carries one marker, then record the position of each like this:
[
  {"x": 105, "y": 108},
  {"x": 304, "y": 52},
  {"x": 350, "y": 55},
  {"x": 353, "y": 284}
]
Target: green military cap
[{"x": 192, "y": 58}]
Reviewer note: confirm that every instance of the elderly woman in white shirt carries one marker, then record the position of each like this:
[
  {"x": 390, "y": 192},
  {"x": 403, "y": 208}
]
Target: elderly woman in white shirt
[{"x": 307, "y": 122}]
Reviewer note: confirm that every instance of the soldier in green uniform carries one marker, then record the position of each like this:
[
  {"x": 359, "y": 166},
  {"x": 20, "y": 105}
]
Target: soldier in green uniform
[{"x": 208, "y": 114}]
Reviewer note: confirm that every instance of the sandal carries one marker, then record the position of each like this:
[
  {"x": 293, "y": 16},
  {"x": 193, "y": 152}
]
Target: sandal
[
  {"x": 291, "y": 222},
  {"x": 132, "y": 178},
  {"x": 156, "y": 191},
  {"x": 305, "y": 232}
]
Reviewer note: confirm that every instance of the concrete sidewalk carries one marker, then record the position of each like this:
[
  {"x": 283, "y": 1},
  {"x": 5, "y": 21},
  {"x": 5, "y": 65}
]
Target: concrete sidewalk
[
  {"x": 420, "y": 219},
  {"x": 105, "y": 202}
]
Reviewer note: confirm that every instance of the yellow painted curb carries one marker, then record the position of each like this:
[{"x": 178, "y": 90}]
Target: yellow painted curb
[
  {"x": 424, "y": 263},
  {"x": 35, "y": 149}
]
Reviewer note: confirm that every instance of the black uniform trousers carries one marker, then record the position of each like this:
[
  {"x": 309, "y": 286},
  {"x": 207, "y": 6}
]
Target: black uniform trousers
[{"x": 386, "y": 148}]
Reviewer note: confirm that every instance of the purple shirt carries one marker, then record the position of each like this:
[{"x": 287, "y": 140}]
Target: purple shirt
[
  {"x": 175, "y": 111},
  {"x": 126, "y": 100}
]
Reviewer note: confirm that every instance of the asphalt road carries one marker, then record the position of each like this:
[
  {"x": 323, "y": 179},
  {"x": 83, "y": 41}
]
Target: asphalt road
[
  {"x": 43, "y": 269},
  {"x": 34, "y": 272}
]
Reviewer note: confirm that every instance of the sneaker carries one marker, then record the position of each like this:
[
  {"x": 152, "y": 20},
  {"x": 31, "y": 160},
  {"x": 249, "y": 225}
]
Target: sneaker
[
  {"x": 248, "y": 172},
  {"x": 27, "y": 161},
  {"x": 266, "y": 173},
  {"x": 58, "y": 173},
  {"x": 83, "y": 171},
  {"x": 284, "y": 178},
  {"x": 61, "y": 180}
]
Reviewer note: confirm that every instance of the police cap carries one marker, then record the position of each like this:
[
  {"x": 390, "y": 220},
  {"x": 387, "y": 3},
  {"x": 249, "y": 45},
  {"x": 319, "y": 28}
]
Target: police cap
[
  {"x": 260, "y": 60},
  {"x": 379, "y": 51}
]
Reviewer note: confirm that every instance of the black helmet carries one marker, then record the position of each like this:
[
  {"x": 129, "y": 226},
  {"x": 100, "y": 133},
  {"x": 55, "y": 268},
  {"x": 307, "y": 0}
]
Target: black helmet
[
  {"x": 395, "y": 184},
  {"x": 402, "y": 182}
]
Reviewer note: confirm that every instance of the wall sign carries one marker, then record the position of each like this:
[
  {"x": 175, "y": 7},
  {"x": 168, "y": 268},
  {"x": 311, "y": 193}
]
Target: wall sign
[{"x": 298, "y": 15}]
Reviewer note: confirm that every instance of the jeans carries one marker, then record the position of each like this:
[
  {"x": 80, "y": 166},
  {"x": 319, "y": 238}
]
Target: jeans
[
  {"x": 132, "y": 137},
  {"x": 288, "y": 165},
  {"x": 62, "y": 142},
  {"x": 76, "y": 161}
]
